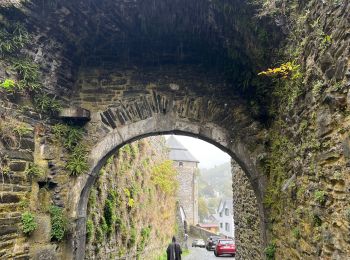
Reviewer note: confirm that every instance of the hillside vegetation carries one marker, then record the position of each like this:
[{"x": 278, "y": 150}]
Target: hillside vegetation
[{"x": 214, "y": 183}]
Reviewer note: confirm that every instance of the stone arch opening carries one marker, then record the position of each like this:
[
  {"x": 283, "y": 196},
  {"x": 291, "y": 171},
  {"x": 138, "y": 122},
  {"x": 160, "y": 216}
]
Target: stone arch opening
[{"x": 159, "y": 125}]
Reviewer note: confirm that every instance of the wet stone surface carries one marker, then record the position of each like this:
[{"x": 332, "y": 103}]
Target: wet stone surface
[{"x": 197, "y": 253}]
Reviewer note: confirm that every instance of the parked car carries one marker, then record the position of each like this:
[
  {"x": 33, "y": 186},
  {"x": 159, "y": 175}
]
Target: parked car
[
  {"x": 198, "y": 242},
  {"x": 225, "y": 246},
  {"x": 211, "y": 242}
]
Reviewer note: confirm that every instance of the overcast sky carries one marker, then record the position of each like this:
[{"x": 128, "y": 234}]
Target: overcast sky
[{"x": 208, "y": 154}]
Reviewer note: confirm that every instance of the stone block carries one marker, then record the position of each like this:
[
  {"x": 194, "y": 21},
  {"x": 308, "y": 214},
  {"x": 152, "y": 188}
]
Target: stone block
[
  {"x": 9, "y": 142},
  {"x": 346, "y": 147},
  {"x": 5, "y": 230},
  {"x": 9, "y": 198},
  {"x": 27, "y": 143},
  {"x": 75, "y": 113},
  {"x": 26, "y": 156},
  {"x": 326, "y": 61},
  {"x": 324, "y": 119},
  {"x": 9, "y": 221},
  {"x": 48, "y": 152},
  {"x": 328, "y": 156},
  {"x": 45, "y": 253},
  {"x": 335, "y": 101},
  {"x": 42, "y": 233},
  {"x": 92, "y": 99},
  {"x": 340, "y": 69},
  {"x": 19, "y": 166}
]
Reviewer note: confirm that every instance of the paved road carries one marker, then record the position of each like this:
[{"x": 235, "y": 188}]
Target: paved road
[{"x": 197, "y": 253}]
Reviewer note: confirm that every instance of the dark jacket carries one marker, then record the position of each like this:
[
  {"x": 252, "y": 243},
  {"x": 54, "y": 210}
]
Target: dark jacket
[{"x": 174, "y": 251}]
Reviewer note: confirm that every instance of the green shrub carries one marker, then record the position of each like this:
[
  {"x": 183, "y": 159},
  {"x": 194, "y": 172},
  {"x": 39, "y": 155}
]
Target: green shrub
[
  {"x": 132, "y": 239},
  {"x": 126, "y": 149},
  {"x": 58, "y": 223},
  {"x": 110, "y": 160},
  {"x": 89, "y": 229},
  {"x": 127, "y": 192},
  {"x": 24, "y": 203},
  {"x": 163, "y": 175},
  {"x": 122, "y": 251},
  {"x": 12, "y": 38},
  {"x": 131, "y": 203},
  {"x": 99, "y": 235},
  {"x": 104, "y": 226},
  {"x": 320, "y": 196},
  {"x": 118, "y": 222},
  {"x": 46, "y": 104},
  {"x": 270, "y": 251},
  {"x": 77, "y": 161},
  {"x": 60, "y": 131},
  {"x": 108, "y": 212},
  {"x": 145, "y": 235},
  {"x": 28, "y": 223},
  {"x": 296, "y": 232},
  {"x": 8, "y": 85},
  {"x": 92, "y": 198},
  {"x": 71, "y": 138},
  {"x": 134, "y": 190},
  {"x": 34, "y": 171},
  {"x": 317, "y": 221},
  {"x": 134, "y": 151},
  {"x": 21, "y": 129},
  {"x": 29, "y": 74}
]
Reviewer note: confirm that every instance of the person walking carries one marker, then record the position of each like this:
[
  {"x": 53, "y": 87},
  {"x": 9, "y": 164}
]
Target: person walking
[
  {"x": 174, "y": 250},
  {"x": 186, "y": 238}
]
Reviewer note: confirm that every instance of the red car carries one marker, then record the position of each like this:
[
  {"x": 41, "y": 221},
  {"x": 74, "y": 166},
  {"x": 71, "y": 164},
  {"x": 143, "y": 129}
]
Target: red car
[{"x": 225, "y": 246}]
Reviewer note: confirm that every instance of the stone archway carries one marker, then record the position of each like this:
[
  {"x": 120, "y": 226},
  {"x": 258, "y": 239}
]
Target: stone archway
[{"x": 162, "y": 123}]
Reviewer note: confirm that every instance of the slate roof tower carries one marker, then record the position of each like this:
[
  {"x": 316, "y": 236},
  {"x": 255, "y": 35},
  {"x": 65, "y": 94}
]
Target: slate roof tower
[{"x": 187, "y": 167}]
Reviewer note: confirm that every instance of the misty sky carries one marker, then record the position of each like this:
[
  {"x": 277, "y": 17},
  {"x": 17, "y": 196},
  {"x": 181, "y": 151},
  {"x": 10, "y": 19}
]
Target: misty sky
[{"x": 208, "y": 154}]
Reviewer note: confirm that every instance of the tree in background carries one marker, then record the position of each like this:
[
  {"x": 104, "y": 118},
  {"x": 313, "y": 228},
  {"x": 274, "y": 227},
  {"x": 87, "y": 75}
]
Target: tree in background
[{"x": 202, "y": 209}]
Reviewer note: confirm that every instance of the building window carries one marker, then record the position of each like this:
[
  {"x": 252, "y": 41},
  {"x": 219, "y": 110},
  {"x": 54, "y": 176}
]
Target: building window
[
  {"x": 220, "y": 214},
  {"x": 227, "y": 226},
  {"x": 227, "y": 212},
  {"x": 181, "y": 164},
  {"x": 221, "y": 225}
]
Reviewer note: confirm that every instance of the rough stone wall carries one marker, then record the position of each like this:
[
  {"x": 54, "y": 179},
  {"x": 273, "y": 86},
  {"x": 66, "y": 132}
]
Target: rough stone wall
[
  {"x": 246, "y": 217},
  {"x": 130, "y": 216},
  {"x": 114, "y": 83},
  {"x": 201, "y": 233},
  {"x": 16, "y": 147},
  {"x": 307, "y": 162},
  {"x": 56, "y": 184},
  {"x": 188, "y": 191}
]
